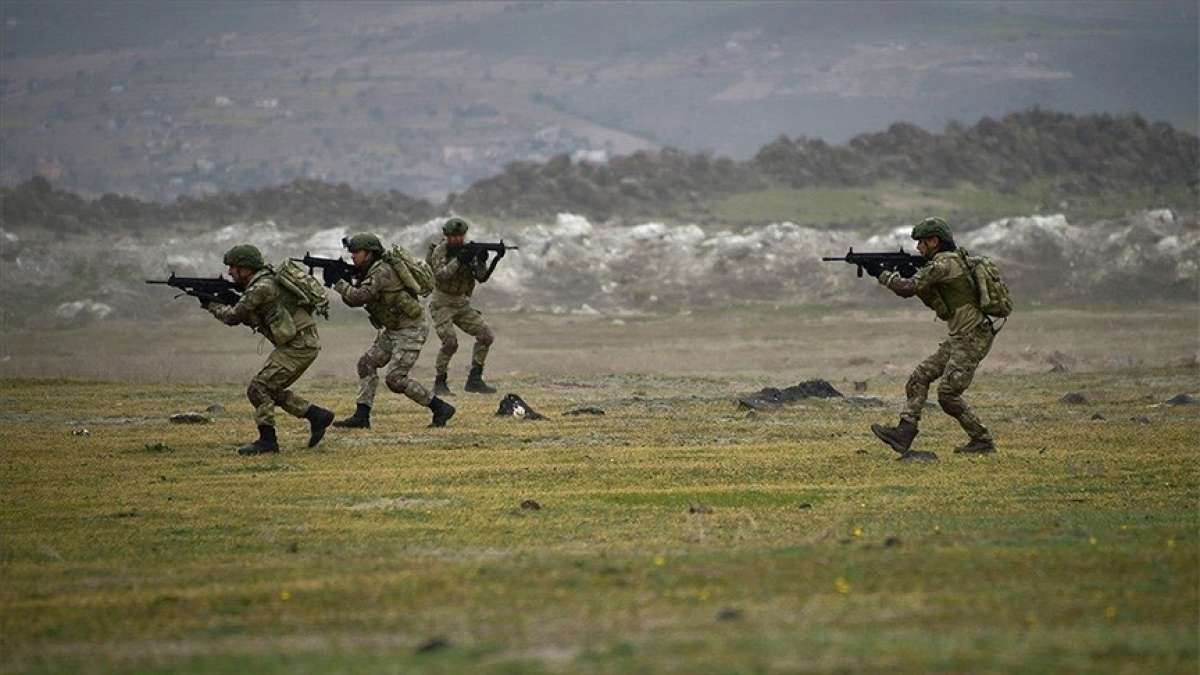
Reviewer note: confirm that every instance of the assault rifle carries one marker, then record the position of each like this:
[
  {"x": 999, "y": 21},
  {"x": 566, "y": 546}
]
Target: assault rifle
[
  {"x": 874, "y": 263},
  {"x": 332, "y": 269},
  {"x": 478, "y": 251},
  {"x": 217, "y": 289}
]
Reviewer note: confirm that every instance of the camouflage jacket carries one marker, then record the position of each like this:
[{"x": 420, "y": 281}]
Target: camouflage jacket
[
  {"x": 266, "y": 308},
  {"x": 946, "y": 287},
  {"x": 452, "y": 279},
  {"x": 389, "y": 304}
]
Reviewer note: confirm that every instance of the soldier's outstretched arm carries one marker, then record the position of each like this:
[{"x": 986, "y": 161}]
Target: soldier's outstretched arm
[
  {"x": 242, "y": 312},
  {"x": 358, "y": 296},
  {"x": 925, "y": 277}
]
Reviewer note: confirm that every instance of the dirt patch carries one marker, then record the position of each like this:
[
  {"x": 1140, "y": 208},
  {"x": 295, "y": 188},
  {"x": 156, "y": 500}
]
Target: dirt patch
[{"x": 398, "y": 504}]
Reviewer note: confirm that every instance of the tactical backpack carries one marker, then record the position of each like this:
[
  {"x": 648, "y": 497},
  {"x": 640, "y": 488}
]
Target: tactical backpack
[
  {"x": 414, "y": 273},
  {"x": 308, "y": 291},
  {"x": 994, "y": 297}
]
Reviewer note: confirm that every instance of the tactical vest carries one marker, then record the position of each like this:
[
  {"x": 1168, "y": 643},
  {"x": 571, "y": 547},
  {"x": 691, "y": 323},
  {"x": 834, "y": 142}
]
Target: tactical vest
[
  {"x": 461, "y": 283},
  {"x": 394, "y": 307},
  {"x": 281, "y": 319}
]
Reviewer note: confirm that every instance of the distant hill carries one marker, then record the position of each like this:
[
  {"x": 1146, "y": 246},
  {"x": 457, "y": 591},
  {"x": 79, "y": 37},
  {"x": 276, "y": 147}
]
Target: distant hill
[
  {"x": 1073, "y": 155},
  {"x": 1036, "y": 154}
]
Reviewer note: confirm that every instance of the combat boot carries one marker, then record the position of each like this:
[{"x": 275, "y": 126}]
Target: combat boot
[
  {"x": 442, "y": 412},
  {"x": 319, "y": 419},
  {"x": 475, "y": 383},
  {"x": 977, "y": 446},
  {"x": 899, "y": 437},
  {"x": 266, "y": 442},
  {"x": 440, "y": 388},
  {"x": 361, "y": 419}
]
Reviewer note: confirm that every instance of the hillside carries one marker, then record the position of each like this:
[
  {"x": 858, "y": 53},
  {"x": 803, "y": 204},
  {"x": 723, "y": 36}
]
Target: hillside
[{"x": 1090, "y": 166}]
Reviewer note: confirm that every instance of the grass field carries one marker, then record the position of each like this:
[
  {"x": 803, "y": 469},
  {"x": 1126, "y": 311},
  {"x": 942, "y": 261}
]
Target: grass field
[{"x": 677, "y": 533}]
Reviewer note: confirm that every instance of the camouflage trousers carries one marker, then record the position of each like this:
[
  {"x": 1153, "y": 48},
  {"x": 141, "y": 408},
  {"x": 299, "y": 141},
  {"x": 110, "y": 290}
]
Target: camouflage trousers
[
  {"x": 954, "y": 362},
  {"x": 399, "y": 348},
  {"x": 285, "y": 365},
  {"x": 447, "y": 315}
]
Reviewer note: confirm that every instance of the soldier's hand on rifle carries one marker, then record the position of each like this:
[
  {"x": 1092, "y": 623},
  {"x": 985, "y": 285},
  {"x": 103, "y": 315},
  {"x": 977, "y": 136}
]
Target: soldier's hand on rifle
[
  {"x": 886, "y": 277},
  {"x": 464, "y": 255},
  {"x": 204, "y": 302},
  {"x": 330, "y": 277}
]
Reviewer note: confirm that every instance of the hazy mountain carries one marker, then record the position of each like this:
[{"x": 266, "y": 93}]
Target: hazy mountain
[{"x": 156, "y": 99}]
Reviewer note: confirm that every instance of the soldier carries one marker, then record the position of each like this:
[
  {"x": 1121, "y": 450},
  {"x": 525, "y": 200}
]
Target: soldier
[
  {"x": 400, "y": 318},
  {"x": 945, "y": 286},
  {"x": 276, "y": 313},
  {"x": 455, "y": 276}
]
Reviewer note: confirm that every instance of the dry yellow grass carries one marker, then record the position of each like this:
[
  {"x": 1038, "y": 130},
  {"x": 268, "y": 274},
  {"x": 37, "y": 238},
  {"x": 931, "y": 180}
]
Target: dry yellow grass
[{"x": 151, "y": 546}]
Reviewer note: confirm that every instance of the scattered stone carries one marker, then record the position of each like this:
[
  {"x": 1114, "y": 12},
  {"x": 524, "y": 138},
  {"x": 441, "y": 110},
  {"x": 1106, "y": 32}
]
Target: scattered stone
[
  {"x": 1042, "y": 451},
  {"x": 729, "y": 614},
  {"x": 865, "y": 402},
  {"x": 770, "y": 398},
  {"x": 530, "y": 505},
  {"x": 891, "y": 542},
  {"x": 585, "y": 410},
  {"x": 80, "y": 432},
  {"x": 1182, "y": 399},
  {"x": 699, "y": 508},
  {"x": 513, "y": 405},
  {"x": 189, "y": 418},
  {"x": 804, "y": 505},
  {"x": 861, "y": 451},
  {"x": 215, "y": 409},
  {"x": 1140, "y": 419},
  {"x": 1073, "y": 398},
  {"x": 860, "y": 387},
  {"x": 752, "y": 415},
  {"x": 294, "y": 547},
  {"x": 917, "y": 456},
  {"x": 1098, "y": 417},
  {"x": 432, "y": 645},
  {"x": 158, "y": 447}
]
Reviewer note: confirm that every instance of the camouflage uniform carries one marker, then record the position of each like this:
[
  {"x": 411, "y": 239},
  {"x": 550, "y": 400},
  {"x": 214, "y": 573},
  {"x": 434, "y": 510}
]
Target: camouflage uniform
[
  {"x": 275, "y": 314},
  {"x": 945, "y": 286},
  {"x": 454, "y": 282},
  {"x": 403, "y": 331}
]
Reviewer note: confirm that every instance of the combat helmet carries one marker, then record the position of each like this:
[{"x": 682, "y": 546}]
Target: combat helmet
[
  {"x": 454, "y": 226},
  {"x": 363, "y": 241},
  {"x": 245, "y": 255},
  {"x": 932, "y": 227}
]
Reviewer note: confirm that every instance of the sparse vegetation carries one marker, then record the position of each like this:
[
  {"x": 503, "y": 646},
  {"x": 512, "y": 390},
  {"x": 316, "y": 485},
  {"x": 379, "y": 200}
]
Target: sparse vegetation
[
  {"x": 676, "y": 533},
  {"x": 1088, "y": 166}
]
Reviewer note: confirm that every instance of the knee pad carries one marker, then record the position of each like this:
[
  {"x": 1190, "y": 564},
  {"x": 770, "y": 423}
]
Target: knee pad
[
  {"x": 396, "y": 382},
  {"x": 951, "y": 405},
  {"x": 450, "y": 344},
  {"x": 258, "y": 394},
  {"x": 486, "y": 338},
  {"x": 365, "y": 366}
]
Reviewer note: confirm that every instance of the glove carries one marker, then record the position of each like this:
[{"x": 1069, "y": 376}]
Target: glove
[
  {"x": 464, "y": 255},
  {"x": 886, "y": 277},
  {"x": 330, "y": 277}
]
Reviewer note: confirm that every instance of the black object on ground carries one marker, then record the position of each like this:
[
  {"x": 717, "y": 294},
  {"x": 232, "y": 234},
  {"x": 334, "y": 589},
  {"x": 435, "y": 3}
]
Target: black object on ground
[
  {"x": 513, "y": 405},
  {"x": 530, "y": 505},
  {"x": 699, "y": 508},
  {"x": 1073, "y": 398},
  {"x": 432, "y": 645},
  {"x": 1182, "y": 399},
  {"x": 770, "y": 398}
]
